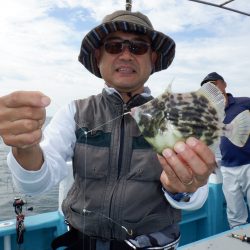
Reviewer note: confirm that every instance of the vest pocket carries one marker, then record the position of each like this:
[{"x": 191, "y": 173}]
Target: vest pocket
[
  {"x": 85, "y": 222},
  {"x": 144, "y": 166},
  {"x": 84, "y": 165}
]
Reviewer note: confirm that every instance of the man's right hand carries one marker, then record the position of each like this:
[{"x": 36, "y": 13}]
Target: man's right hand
[{"x": 22, "y": 115}]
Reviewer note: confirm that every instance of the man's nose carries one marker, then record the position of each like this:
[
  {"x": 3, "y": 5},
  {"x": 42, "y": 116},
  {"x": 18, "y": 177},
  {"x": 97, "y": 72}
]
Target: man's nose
[{"x": 125, "y": 51}]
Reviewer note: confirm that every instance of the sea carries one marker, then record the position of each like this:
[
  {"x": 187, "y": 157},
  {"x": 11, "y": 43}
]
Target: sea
[{"x": 34, "y": 204}]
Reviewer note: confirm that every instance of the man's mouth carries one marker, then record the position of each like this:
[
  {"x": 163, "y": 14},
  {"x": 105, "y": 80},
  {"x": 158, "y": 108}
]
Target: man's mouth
[{"x": 125, "y": 70}]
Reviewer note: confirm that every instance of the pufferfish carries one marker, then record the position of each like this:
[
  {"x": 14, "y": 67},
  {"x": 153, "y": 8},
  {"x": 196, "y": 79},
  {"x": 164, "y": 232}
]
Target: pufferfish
[{"x": 173, "y": 117}]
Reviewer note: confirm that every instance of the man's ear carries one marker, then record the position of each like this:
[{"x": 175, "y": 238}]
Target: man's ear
[{"x": 97, "y": 56}]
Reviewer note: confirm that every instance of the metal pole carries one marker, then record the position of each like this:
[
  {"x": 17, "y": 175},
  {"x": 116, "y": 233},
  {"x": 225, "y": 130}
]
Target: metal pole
[
  {"x": 128, "y": 5},
  {"x": 226, "y": 2},
  {"x": 222, "y": 7}
]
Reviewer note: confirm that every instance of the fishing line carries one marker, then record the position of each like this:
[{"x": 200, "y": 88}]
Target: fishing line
[
  {"x": 84, "y": 210},
  {"x": 129, "y": 232},
  {"x": 99, "y": 126}
]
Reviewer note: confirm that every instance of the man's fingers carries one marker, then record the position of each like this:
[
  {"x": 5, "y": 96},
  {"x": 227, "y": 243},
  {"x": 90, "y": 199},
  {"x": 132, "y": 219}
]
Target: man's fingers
[
  {"x": 22, "y": 114},
  {"x": 167, "y": 169},
  {"x": 191, "y": 162},
  {"x": 203, "y": 151},
  {"x": 180, "y": 168},
  {"x": 13, "y": 114},
  {"x": 24, "y": 140},
  {"x": 198, "y": 157},
  {"x": 171, "y": 182},
  {"x": 168, "y": 177},
  {"x": 21, "y": 127},
  {"x": 26, "y": 98}
]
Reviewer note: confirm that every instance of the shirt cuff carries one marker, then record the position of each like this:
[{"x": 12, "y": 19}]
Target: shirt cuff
[
  {"x": 196, "y": 201},
  {"x": 27, "y": 181}
]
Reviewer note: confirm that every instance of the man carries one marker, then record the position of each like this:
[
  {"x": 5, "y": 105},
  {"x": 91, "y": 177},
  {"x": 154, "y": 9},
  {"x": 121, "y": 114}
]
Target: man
[
  {"x": 235, "y": 161},
  {"x": 121, "y": 190}
]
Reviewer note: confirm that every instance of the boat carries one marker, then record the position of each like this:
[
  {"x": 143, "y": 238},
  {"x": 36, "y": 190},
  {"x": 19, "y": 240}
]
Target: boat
[{"x": 204, "y": 228}]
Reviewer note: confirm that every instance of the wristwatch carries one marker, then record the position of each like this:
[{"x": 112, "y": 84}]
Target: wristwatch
[{"x": 184, "y": 197}]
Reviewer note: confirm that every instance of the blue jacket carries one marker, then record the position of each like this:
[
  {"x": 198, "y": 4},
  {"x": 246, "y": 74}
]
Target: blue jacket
[{"x": 233, "y": 156}]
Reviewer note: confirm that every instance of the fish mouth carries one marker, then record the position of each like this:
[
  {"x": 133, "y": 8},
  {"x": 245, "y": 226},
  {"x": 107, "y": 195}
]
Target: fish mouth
[{"x": 133, "y": 111}]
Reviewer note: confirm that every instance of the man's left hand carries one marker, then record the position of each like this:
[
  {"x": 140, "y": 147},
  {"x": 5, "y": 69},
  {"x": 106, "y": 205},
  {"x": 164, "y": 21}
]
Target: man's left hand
[{"x": 187, "y": 167}]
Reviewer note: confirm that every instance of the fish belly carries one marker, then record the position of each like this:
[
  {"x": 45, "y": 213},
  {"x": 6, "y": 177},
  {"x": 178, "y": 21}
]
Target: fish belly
[{"x": 164, "y": 140}]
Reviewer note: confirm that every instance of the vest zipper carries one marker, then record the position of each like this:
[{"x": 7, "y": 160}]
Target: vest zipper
[
  {"x": 120, "y": 156},
  {"x": 125, "y": 109}
]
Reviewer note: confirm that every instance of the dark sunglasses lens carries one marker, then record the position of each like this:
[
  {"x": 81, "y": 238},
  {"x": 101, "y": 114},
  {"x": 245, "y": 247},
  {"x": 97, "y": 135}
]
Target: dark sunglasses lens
[
  {"x": 135, "y": 47},
  {"x": 113, "y": 47},
  {"x": 138, "y": 48}
]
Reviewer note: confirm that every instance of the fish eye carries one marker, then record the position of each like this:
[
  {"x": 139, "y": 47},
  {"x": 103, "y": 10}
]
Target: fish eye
[{"x": 161, "y": 105}]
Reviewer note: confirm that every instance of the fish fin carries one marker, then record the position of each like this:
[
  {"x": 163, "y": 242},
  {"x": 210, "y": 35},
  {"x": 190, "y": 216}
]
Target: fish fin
[
  {"x": 169, "y": 88},
  {"x": 240, "y": 131},
  {"x": 215, "y": 97}
]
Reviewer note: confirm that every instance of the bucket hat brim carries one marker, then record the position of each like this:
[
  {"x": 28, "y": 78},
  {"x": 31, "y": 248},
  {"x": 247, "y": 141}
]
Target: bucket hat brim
[{"x": 133, "y": 22}]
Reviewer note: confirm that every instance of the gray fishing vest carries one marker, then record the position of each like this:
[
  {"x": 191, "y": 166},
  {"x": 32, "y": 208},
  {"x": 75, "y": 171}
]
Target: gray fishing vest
[{"x": 117, "y": 174}]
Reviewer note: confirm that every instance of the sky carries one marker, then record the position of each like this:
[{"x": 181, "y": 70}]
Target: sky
[{"x": 40, "y": 42}]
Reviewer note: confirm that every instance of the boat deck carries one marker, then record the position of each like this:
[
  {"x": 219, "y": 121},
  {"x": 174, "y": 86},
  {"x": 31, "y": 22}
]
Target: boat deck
[{"x": 222, "y": 241}]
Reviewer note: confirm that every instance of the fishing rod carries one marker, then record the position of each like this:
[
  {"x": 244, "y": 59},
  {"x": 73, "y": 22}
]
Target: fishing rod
[
  {"x": 222, "y": 6},
  {"x": 18, "y": 205},
  {"x": 20, "y": 227},
  {"x": 240, "y": 237}
]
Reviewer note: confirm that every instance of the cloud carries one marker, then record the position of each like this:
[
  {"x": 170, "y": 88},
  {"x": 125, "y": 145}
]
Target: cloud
[{"x": 40, "y": 41}]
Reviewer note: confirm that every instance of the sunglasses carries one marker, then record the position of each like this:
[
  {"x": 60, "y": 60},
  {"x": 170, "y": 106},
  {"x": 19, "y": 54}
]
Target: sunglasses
[{"x": 134, "y": 47}]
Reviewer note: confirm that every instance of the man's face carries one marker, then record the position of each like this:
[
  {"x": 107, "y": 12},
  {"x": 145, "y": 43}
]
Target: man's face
[
  {"x": 221, "y": 85},
  {"x": 125, "y": 71}
]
